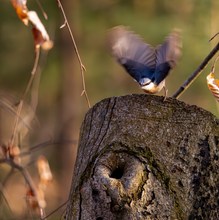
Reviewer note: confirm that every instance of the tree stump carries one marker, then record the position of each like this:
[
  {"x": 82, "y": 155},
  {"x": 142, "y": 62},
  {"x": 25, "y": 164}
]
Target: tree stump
[{"x": 141, "y": 157}]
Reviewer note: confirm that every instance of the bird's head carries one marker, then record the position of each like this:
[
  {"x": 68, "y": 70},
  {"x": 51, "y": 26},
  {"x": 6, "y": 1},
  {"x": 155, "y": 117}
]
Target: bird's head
[{"x": 150, "y": 87}]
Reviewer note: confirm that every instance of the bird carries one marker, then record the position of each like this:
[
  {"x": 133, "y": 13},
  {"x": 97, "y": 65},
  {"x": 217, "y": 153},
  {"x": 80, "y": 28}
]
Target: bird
[{"x": 148, "y": 66}]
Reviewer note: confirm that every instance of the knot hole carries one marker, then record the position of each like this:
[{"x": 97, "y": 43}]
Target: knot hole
[{"x": 117, "y": 172}]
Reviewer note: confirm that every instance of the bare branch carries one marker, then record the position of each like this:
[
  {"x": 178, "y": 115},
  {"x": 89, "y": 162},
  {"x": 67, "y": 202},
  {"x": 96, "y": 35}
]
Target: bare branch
[
  {"x": 3, "y": 197},
  {"x": 213, "y": 36},
  {"x": 11, "y": 143},
  {"x": 55, "y": 210},
  {"x": 27, "y": 179},
  {"x": 7, "y": 177},
  {"x": 20, "y": 106},
  {"x": 196, "y": 73},
  {"x": 9, "y": 107},
  {"x": 45, "y": 144},
  {"x": 82, "y": 67},
  {"x": 36, "y": 61}
]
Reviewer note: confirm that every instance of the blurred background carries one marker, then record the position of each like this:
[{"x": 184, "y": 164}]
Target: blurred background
[{"x": 61, "y": 108}]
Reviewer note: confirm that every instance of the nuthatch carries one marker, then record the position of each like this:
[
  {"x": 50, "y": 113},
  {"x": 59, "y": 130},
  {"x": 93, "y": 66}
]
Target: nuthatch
[{"x": 147, "y": 65}]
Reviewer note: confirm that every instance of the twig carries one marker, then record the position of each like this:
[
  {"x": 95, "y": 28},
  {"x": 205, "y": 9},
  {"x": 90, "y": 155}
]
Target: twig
[
  {"x": 36, "y": 61},
  {"x": 9, "y": 107},
  {"x": 45, "y": 144},
  {"x": 11, "y": 144},
  {"x": 55, "y": 210},
  {"x": 213, "y": 36},
  {"x": 28, "y": 180},
  {"x": 23, "y": 171},
  {"x": 196, "y": 73},
  {"x": 20, "y": 106},
  {"x": 25, "y": 174},
  {"x": 3, "y": 197},
  {"x": 7, "y": 177},
  {"x": 82, "y": 67}
]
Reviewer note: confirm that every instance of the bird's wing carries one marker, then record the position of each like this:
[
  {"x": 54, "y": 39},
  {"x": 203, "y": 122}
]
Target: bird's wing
[
  {"x": 167, "y": 55},
  {"x": 137, "y": 57}
]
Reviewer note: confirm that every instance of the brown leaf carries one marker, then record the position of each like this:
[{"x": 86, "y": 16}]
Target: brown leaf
[
  {"x": 213, "y": 85},
  {"x": 44, "y": 172},
  {"x": 41, "y": 37},
  {"x": 31, "y": 199},
  {"x": 36, "y": 201},
  {"x": 14, "y": 152},
  {"x": 21, "y": 9}
]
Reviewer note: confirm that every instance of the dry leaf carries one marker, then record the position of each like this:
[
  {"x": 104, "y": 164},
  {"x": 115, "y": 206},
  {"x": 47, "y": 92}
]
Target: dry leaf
[
  {"x": 213, "y": 85},
  {"x": 36, "y": 202},
  {"x": 44, "y": 172},
  {"x": 31, "y": 199},
  {"x": 14, "y": 152},
  {"x": 41, "y": 37},
  {"x": 21, "y": 9}
]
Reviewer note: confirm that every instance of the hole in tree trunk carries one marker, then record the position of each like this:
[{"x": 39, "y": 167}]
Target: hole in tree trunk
[{"x": 117, "y": 173}]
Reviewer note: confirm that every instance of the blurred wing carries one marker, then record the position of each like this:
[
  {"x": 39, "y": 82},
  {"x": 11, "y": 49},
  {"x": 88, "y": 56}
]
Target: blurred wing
[
  {"x": 137, "y": 57},
  {"x": 167, "y": 56}
]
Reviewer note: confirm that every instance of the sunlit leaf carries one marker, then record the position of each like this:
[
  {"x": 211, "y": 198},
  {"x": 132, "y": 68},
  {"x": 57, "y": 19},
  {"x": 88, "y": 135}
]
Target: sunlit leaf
[
  {"x": 31, "y": 199},
  {"x": 21, "y": 9},
  {"x": 36, "y": 201},
  {"x": 44, "y": 171},
  {"x": 41, "y": 37},
  {"x": 14, "y": 152},
  {"x": 213, "y": 84}
]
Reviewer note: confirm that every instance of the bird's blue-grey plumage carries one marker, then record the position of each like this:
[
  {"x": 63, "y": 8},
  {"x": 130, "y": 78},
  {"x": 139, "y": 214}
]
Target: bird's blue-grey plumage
[{"x": 147, "y": 65}]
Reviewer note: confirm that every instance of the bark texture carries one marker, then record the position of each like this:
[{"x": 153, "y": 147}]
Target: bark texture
[{"x": 140, "y": 157}]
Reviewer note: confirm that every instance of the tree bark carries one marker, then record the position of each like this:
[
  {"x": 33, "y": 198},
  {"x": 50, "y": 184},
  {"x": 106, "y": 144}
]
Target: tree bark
[{"x": 140, "y": 157}]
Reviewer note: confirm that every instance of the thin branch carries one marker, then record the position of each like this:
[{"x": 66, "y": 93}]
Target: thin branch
[
  {"x": 20, "y": 106},
  {"x": 9, "y": 107},
  {"x": 3, "y": 197},
  {"x": 23, "y": 171},
  {"x": 213, "y": 36},
  {"x": 25, "y": 174},
  {"x": 16, "y": 124},
  {"x": 45, "y": 144},
  {"x": 36, "y": 61},
  {"x": 82, "y": 67},
  {"x": 55, "y": 210},
  {"x": 28, "y": 180},
  {"x": 7, "y": 177},
  {"x": 196, "y": 73}
]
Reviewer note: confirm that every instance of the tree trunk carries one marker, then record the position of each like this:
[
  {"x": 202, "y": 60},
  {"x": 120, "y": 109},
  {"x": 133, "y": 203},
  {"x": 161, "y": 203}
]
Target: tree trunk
[{"x": 140, "y": 157}]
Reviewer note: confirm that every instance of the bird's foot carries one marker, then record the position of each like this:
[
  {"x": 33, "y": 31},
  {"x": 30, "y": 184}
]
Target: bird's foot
[{"x": 165, "y": 93}]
